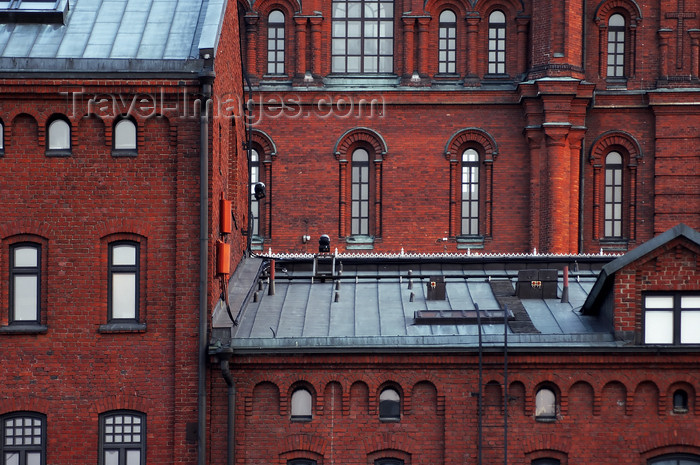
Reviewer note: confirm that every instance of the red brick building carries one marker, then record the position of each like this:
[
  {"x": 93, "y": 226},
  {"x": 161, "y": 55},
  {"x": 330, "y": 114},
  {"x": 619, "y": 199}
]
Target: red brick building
[
  {"x": 408, "y": 360},
  {"x": 108, "y": 260},
  {"x": 502, "y": 126}
]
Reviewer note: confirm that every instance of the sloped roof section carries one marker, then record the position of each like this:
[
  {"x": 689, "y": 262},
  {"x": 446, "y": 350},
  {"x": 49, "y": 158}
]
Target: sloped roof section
[
  {"x": 604, "y": 282},
  {"x": 114, "y": 35},
  {"x": 379, "y": 303}
]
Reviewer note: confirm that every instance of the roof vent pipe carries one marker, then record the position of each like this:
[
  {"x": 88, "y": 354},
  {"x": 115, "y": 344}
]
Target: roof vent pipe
[
  {"x": 271, "y": 289},
  {"x": 565, "y": 290}
]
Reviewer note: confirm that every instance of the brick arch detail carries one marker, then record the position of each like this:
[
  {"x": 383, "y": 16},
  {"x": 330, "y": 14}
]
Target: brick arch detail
[
  {"x": 670, "y": 442},
  {"x": 265, "y": 142},
  {"x": 510, "y": 6},
  {"x": 26, "y": 226},
  {"x": 435, "y": 7},
  {"x": 386, "y": 443},
  {"x": 609, "y": 139},
  {"x": 288, "y": 7},
  {"x": 474, "y": 135},
  {"x": 606, "y": 7},
  {"x": 549, "y": 442},
  {"x": 122, "y": 401},
  {"x": 34, "y": 404},
  {"x": 304, "y": 442},
  {"x": 355, "y": 135}
]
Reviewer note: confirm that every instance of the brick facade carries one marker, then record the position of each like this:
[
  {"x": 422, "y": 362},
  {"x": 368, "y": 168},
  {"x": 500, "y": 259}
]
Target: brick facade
[{"x": 554, "y": 114}]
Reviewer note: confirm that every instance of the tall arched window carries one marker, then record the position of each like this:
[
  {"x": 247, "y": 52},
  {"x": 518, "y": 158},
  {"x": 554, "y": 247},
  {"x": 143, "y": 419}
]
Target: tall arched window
[
  {"x": 58, "y": 135},
  {"x": 447, "y": 43},
  {"x": 362, "y": 36},
  {"x": 470, "y": 193},
  {"x": 613, "y": 195},
  {"x": 389, "y": 404},
  {"x": 301, "y": 405},
  {"x": 122, "y": 438},
  {"x": 545, "y": 404},
  {"x": 360, "y": 211},
  {"x": 254, "y": 203},
  {"x": 497, "y": 43},
  {"x": 616, "y": 46},
  {"x": 275, "y": 42}
]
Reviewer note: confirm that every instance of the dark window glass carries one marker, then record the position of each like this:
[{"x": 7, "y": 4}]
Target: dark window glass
[
  {"x": 275, "y": 42},
  {"x": 362, "y": 36},
  {"x": 389, "y": 404},
  {"x": 680, "y": 401},
  {"x": 616, "y": 46},
  {"x": 25, "y": 283},
  {"x": 613, "y": 195},
  {"x": 23, "y": 439},
  {"x": 545, "y": 461},
  {"x": 254, "y": 203},
  {"x": 470, "y": 193},
  {"x": 388, "y": 461},
  {"x": 123, "y": 287},
  {"x": 301, "y": 462},
  {"x": 675, "y": 459},
  {"x": 497, "y": 43},
  {"x": 123, "y": 438},
  {"x": 447, "y": 43}
]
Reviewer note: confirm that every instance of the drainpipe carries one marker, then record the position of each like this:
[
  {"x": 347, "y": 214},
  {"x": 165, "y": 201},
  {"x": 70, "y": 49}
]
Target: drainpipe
[
  {"x": 224, "y": 357},
  {"x": 206, "y": 79}
]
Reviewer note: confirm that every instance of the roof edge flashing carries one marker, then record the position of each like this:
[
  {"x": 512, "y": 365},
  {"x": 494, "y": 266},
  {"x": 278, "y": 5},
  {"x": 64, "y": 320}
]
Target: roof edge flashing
[{"x": 211, "y": 28}]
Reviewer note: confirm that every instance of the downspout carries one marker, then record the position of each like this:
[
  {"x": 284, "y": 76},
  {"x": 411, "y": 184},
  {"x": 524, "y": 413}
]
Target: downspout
[
  {"x": 206, "y": 79},
  {"x": 224, "y": 357},
  {"x": 582, "y": 156}
]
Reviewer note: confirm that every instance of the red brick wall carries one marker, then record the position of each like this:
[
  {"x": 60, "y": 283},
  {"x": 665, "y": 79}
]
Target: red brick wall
[{"x": 610, "y": 408}]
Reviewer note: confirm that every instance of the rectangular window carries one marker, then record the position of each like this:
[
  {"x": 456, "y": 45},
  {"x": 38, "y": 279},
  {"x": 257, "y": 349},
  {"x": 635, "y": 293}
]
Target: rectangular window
[
  {"x": 362, "y": 36},
  {"x": 25, "y": 283},
  {"x": 123, "y": 292},
  {"x": 360, "y": 193},
  {"x": 672, "y": 318},
  {"x": 613, "y": 195},
  {"x": 470, "y": 193},
  {"x": 275, "y": 43}
]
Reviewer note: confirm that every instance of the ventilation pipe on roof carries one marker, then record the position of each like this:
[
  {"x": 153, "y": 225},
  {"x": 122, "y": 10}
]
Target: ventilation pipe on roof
[{"x": 206, "y": 79}]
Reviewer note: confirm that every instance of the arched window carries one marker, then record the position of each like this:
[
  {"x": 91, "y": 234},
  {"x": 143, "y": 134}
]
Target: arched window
[
  {"x": 254, "y": 203},
  {"x": 360, "y": 207},
  {"x": 470, "y": 193},
  {"x": 275, "y": 42},
  {"x": 389, "y": 404},
  {"x": 680, "y": 401},
  {"x": 362, "y": 36},
  {"x": 447, "y": 43},
  {"x": 545, "y": 404},
  {"x": 497, "y": 43},
  {"x": 545, "y": 461},
  {"x": 25, "y": 283},
  {"x": 675, "y": 459},
  {"x": 301, "y": 405},
  {"x": 389, "y": 461},
  {"x": 2, "y": 137},
  {"x": 58, "y": 135},
  {"x": 616, "y": 46},
  {"x": 612, "y": 219},
  {"x": 301, "y": 462},
  {"x": 122, "y": 438},
  {"x": 124, "y": 135},
  {"x": 23, "y": 438}
]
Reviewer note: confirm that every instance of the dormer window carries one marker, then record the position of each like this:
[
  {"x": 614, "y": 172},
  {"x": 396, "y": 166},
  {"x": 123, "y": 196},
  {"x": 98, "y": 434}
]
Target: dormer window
[{"x": 33, "y": 11}]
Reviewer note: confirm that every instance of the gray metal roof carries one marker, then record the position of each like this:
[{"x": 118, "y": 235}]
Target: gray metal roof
[
  {"x": 106, "y": 33},
  {"x": 371, "y": 304}
]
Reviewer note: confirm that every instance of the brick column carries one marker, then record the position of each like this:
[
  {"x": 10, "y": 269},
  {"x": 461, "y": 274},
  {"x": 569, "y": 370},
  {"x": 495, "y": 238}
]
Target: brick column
[
  {"x": 664, "y": 35},
  {"x": 602, "y": 49},
  {"x": 522, "y": 27},
  {"x": 342, "y": 183},
  {"x": 251, "y": 29},
  {"x": 316, "y": 44},
  {"x": 534, "y": 139},
  {"x": 409, "y": 24},
  {"x": 300, "y": 32},
  {"x": 557, "y": 205},
  {"x": 694, "y": 52},
  {"x": 472, "y": 77},
  {"x": 575, "y": 139},
  {"x": 423, "y": 39}
]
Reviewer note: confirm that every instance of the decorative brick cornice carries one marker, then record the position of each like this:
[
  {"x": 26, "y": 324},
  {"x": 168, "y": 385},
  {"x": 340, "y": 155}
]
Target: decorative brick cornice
[{"x": 471, "y": 135}]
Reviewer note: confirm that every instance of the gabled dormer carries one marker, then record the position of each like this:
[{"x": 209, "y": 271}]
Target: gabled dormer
[{"x": 651, "y": 295}]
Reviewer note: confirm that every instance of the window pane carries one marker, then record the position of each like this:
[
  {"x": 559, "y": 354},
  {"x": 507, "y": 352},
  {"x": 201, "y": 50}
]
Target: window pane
[
  {"x": 690, "y": 327},
  {"x": 658, "y": 302},
  {"x": 125, "y": 135},
  {"x": 124, "y": 255},
  {"x": 123, "y": 295},
  {"x": 658, "y": 327},
  {"x": 133, "y": 457},
  {"x": 692, "y": 301},
  {"x": 33, "y": 458},
  {"x": 12, "y": 458},
  {"x": 301, "y": 403},
  {"x": 545, "y": 403},
  {"x": 389, "y": 404},
  {"x": 26, "y": 256},
  {"x": 25, "y": 302},
  {"x": 59, "y": 135},
  {"x": 111, "y": 457}
]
